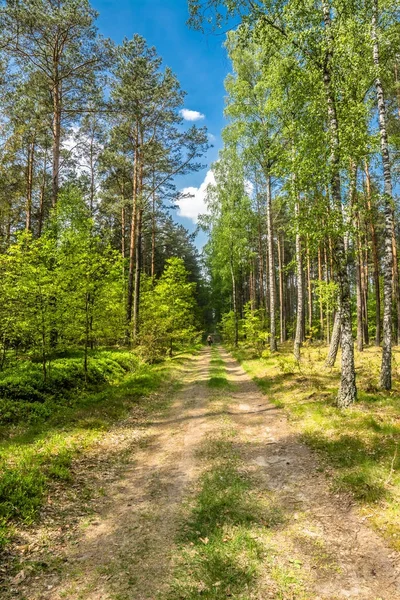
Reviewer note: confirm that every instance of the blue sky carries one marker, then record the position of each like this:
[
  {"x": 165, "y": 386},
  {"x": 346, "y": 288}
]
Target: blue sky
[{"x": 199, "y": 61}]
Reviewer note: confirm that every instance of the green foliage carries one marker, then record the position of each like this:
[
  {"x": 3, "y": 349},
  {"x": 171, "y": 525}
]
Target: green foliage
[
  {"x": 65, "y": 290},
  {"x": 26, "y": 398},
  {"x": 254, "y": 327},
  {"x": 227, "y": 327},
  {"x": 40, "y": 448},
  {"x": 168, "y": 312}
]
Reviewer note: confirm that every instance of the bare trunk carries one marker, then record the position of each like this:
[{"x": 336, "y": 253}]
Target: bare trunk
[
  {"x": 153, "y": 239},
  {"x": 138, "y": 265},
  {"x": 374, "y": 243},
  {"x": 123, "y": 226},
  {"x": 321, "y": 306},
  {"x": 309, "y": 293},
  {"x": 260, "y": 258},
  {"x": 42, "y": 195},
  {"x": 138, "y": 270},
  {"x": 271, "y": 269},
  {"x": 347, "y": 391},
  {"x": 335, "y": 341},
  {"x": 360, "y": 336},
  {"x": 386, "y": 368},
  {"x": 364, "y": 289},
  {"x": 328, "y": 318},
  {"x": 281, "y": 260},
  {"x": 396, "y": 79},
  {"x": 29, "y": 185},
  {"x": 234, "y": 301},
  {"x": 300, "y": 294},
  {"x": 132, "y": 240},
  {"x": 396, "y": 286},
  {"x": 57, "y": 104},
  {"x": 92, "y": 182}
]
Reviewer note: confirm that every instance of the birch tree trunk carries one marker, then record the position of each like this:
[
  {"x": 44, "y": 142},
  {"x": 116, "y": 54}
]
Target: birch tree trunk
[
  {"x": 234, "y": 301},
  {"x": 360, "y": 345},
  {"x": 300, "y": 293},
  {"x": 335, "y": 341},
  {"x": 347, "y": 391},
  {"x": 321, "y": 306},
  {"x": 271, "y": 269},
  {"x": 386, "y": 367},
  {"x": 374, "y": 244},
  {"x": 309, "y": 292}
]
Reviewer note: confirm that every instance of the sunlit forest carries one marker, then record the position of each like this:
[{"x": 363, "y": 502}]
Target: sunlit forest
[{"x": 200, "y": 309}]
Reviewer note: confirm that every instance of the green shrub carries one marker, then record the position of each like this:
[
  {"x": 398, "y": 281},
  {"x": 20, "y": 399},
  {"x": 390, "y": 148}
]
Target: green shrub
[
  {"x": 21, "y": 494},
  {"x": 24, "y": 396}
]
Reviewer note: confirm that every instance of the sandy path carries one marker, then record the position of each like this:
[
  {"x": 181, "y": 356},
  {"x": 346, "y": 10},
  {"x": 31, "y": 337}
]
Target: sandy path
[
  {"x": 125, "y": 551},
  {"x": 323, "y": 529}
]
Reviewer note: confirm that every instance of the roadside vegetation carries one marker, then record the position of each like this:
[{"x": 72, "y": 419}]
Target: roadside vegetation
[
  {"x": 228, "y": 544},
  {"x": 45, "y": 426},
  {"x": 359, "y": 447}
]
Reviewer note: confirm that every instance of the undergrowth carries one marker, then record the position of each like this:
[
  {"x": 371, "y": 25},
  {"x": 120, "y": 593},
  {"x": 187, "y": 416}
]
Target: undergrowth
[
  {"x": 71, "y": 418},
  {"x": 359, "y": 446}
]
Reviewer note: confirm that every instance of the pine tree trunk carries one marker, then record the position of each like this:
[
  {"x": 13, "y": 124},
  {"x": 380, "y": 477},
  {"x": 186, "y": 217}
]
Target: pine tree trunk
[
  {"x": 132, "y": 241},
  {"x": 386, "y": 368},
  {"x": 42, "y": 195},
  {"x": 374, "y": 244},
  {"x": 396, "y": 286},
  {"x": 57, "y": 104},
  {"x": 153, "y": 239},
  {"x": 92, "y": 178},
  {"x": 300, "y": 293},
  {"x": 138, "y": 270},
  {"x": 271, "y": 269},
  {"x": 347, "y": 391},
  {"x": 364, "y": 290},
  {"x": 281, "y": 260},
  {"x": 321, "y": 305},
  {"x": 360, "y": 333},
  {"x": 29, "y": 185},
  {"x": 328, "y": 322}
]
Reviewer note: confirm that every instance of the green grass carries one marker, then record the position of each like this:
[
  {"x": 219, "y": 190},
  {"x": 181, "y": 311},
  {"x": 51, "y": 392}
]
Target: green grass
[
  {"x": 359, "y": 446},
  {"x": 225, "y": 541},
  {"x": 220, "y": 551},
  {"x": 41, "y": 451},
  {"x": 217, "y": 379}
]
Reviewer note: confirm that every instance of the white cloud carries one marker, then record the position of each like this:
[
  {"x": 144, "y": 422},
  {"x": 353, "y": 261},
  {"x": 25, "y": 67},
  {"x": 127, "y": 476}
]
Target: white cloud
[
  {"x": 191, "y": 202},
  {"x": 211, "y": 137},
  {"x": 191, "y": 115}
]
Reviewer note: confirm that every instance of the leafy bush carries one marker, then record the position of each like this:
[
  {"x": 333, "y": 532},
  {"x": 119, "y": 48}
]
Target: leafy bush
[
  {"x": 24, "y": 396},
  {"x": 21, "y": 494}
]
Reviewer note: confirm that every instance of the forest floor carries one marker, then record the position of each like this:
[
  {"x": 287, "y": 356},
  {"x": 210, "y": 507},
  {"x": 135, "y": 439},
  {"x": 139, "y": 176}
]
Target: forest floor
[{"x": 214, "y": 496}]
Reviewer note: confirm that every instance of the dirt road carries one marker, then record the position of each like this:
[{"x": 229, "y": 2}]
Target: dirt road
[{"x": 131, "y": 548}]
